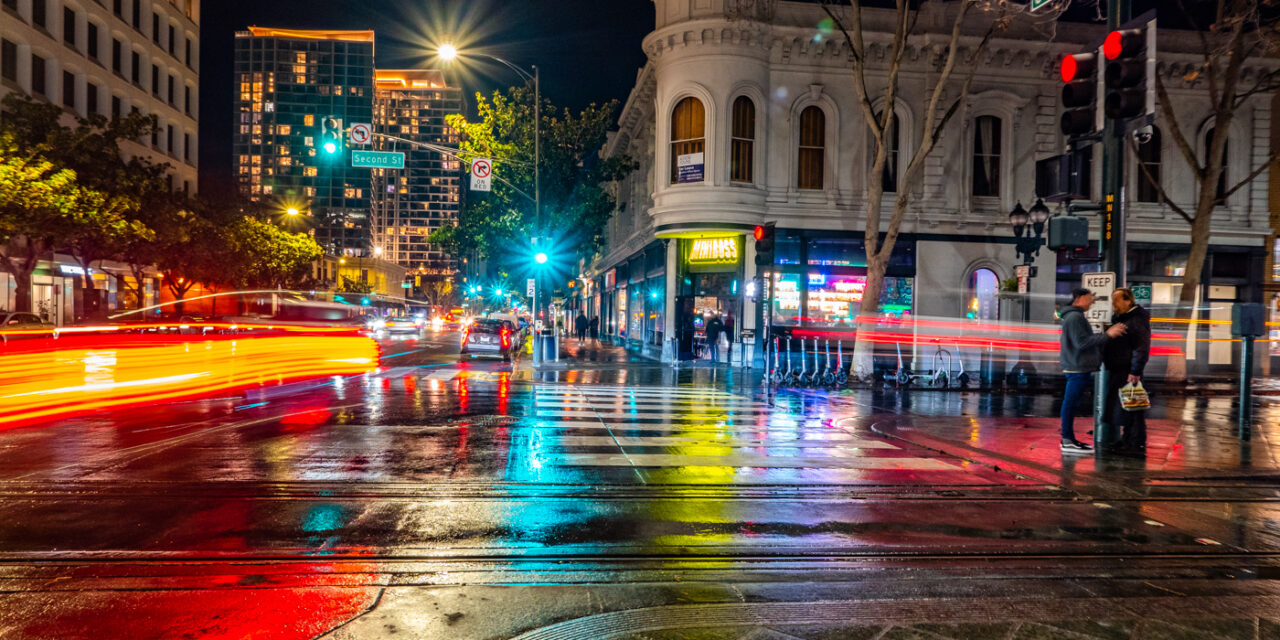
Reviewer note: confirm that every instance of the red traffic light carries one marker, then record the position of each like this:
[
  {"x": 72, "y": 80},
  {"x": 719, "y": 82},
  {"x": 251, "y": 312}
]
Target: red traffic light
[
  {"x": 759, "y": 233},
  {"x": 1113, "y": 45},
  {"x": 1069, "y": 68}
]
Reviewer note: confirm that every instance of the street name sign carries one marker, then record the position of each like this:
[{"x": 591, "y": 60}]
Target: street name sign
[
  {"x": 1101, "y": 283},
  {"x": 377, "y": 159},
  {"x": 481, "y": 174},
  {"x": 361, "y": 133}
]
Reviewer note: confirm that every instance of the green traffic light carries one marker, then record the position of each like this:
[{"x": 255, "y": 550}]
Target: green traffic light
[
  {"x": 540, "y": 258},
  {"x": 330, "y": 147}
]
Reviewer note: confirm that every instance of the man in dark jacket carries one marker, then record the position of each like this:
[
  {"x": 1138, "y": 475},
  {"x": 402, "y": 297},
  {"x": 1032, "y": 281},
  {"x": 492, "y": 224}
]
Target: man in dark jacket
[
  {"x": 714, "y": 327},
  {"x": 580, "y": 327},
  {"x": 1080, "y": 356},
  {"x": 1125, "y": 359}
]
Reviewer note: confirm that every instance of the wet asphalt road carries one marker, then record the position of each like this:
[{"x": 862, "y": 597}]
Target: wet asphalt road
[{"x": 609, "y": 496}]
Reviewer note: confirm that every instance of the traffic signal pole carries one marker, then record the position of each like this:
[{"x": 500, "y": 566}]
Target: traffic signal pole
[{"x": 1112, "y": 247}]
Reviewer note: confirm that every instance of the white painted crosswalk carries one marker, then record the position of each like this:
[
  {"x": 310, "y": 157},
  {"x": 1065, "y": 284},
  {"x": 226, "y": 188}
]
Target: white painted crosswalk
[{"x": 687, "y": 430}]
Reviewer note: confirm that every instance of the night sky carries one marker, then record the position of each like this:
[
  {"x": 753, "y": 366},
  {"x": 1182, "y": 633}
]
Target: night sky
[{"x": 588, "y": 50}]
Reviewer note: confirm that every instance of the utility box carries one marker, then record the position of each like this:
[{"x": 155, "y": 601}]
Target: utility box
[
  {"x": 1068, "y": 233},
  {"x": 1248, "y": 320}
]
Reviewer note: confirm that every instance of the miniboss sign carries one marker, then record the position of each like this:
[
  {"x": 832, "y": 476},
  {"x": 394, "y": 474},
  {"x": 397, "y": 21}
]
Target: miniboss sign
[{"x": 714, "y": 251}]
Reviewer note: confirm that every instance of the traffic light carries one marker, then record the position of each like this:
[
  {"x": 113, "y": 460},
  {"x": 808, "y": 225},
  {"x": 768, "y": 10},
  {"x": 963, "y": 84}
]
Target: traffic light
[
  {"x": 1130, "y": 55},
  {"x": 330, "y": 134},
  {"x": 1080, "y": 113},
  {"x": 764, "y": 244}
]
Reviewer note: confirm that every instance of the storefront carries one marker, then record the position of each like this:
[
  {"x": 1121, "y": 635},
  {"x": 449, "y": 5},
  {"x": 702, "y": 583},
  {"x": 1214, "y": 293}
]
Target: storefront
[
  {"x": 709, "y": 285},
  {"x": 820, "y": 278},
  {"x": 631, "y": 297}
]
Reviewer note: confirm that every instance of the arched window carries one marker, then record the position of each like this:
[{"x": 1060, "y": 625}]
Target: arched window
[
  {"x": 986, "y": 156},
  {"x": 1149, "y": 168},
  {"x": 688, "y": 126},
  {"x": 813, "y": 135},
  {"x": 889, "y": 177},
  {"x": 1221, "y": 193},
  {"x": 983, "y": 301},
  {"x": 742, "y": 147}
]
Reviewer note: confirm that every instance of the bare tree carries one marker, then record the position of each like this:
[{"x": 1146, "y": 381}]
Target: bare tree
[
  {"x": 956, "y": 58},
  {"x": 1237, "y": 31}
]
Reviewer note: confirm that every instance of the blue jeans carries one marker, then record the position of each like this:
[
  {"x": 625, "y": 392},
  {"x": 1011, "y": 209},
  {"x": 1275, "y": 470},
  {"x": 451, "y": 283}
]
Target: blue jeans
[{"x": 1077, "y": 384}]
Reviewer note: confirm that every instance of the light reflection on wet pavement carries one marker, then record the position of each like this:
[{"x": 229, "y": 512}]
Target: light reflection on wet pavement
[{"x": 614, "y": 472}]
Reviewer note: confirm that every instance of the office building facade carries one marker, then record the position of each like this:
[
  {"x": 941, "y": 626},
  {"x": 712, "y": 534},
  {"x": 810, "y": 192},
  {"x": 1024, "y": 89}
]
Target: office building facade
[
  {"x": 288, "y": 83},
  {"x": 411, "y": 203}
]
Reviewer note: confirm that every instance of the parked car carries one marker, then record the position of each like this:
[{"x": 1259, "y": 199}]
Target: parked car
[
  {"x": 20, "y": 325},
  {"x": 491, "y": 338}
]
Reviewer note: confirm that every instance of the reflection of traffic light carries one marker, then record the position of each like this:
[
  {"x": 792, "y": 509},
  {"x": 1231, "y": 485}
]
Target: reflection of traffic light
[
  {"x": 1080, "y": 114},
  {"x": 364, "y": 301},
  {"x": 764, "y": 244},
  {"x": 330, "y": 134},
  {"x": 1129, "y": 85}
]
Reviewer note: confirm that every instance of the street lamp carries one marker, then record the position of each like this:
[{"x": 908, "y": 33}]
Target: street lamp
[
  {"x": 448, "y": 52},
  {"x": 292, "y": 211}
]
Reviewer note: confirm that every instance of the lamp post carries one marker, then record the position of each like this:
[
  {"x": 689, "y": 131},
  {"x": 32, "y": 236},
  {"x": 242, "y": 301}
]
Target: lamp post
[
  {"x": 1030, "y": 237},
  {"x": 449, "y": 52}
]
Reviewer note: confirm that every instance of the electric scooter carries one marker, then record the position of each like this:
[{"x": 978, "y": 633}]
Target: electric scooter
[
  {"x": 802, "y": 378},
  {"x": 777, "y": 372},
  {"x": 789, "y": 378},
  {"x": 842, "y": 373},
  {"x": 828, "y": 374}
]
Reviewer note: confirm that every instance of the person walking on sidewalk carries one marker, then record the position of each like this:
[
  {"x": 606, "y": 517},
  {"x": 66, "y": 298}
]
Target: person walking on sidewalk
[
  {"x": 595, "y": 329},
  {"x": 1080, "y": 356},
  {"x": 714, "y": 328},
  {"x": 728, "y": 334},
  {"x": 1125, "y": 358},
  {"x": 580, "y": 327}
]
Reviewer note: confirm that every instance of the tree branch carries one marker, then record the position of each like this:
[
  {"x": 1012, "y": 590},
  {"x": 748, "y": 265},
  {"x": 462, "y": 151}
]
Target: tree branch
[
  {"x": 1151, "y": 179},
  {"x": 1253, "y": 174},
  {"x": 1171, "y": 120}
]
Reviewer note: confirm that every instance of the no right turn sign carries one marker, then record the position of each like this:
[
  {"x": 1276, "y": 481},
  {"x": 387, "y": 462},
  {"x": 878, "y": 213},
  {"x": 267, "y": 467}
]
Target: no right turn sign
[{"x": 481, "y": 174}]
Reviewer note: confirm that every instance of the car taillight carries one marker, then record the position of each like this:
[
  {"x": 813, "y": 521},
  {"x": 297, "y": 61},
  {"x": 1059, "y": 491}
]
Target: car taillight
[{"x": 506, "y": 338}]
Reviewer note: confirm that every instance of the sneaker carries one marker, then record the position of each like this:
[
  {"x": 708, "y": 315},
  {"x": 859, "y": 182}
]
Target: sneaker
[{"x": 1075, "y": 446}]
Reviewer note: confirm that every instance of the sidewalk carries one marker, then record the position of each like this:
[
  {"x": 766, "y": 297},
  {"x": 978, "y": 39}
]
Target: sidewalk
[{"x": 603, "y": 352}]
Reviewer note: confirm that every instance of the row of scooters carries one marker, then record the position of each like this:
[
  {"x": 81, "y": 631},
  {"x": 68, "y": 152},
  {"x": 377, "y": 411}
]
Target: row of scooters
[
  {"x": 823, "y": 373},
  {"x": 800, "y": 374}
]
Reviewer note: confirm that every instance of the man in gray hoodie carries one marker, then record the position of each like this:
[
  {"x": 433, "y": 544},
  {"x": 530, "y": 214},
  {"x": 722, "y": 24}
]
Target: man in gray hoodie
[{"x": 1080, "y": 356}]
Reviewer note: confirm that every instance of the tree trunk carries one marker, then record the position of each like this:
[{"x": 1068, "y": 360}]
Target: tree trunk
[
  {"x": 21, "y": 268},
  {"x": 1176, "y": 368},
  {"x": 22, "y": 297},
  {"x": 88, "y": 292}
]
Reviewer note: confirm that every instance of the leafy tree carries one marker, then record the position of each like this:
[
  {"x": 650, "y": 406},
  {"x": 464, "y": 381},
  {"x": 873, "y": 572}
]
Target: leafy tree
[
  {"x": 91, "y": 149},
  {"x": 267, "y": 256},
  {"x": 575, "y": 203}
]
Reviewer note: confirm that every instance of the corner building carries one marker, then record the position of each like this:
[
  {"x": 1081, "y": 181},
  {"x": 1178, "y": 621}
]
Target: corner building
[
  {"x": 746, "y": 113},
  {"x": 288, "y": 81}
]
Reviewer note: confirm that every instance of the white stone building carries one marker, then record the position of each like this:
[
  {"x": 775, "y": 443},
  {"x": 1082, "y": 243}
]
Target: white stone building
[{"x": 765, "y": 93}]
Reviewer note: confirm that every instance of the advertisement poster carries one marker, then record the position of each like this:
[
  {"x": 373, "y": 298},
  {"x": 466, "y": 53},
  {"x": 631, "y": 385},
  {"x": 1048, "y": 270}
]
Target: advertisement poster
[{"x": 689, "y": 168}]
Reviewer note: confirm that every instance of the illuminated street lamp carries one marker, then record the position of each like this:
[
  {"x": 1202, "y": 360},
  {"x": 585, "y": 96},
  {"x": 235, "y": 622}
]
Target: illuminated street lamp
[
  {"x": 292, "y": 211},
  {"x": 447, "y": 52}
]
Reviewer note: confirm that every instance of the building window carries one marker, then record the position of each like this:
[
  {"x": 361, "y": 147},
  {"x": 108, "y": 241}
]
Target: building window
[
  {"x": 173, "y": 40},
  {"x": 8, "y": 61},
  {"x": 38, "y": 79},
  {"x": 812, "y": 158},
  {"x": 986, "y": 156},
  {"x": 742, "y": 147},
  {"x": 186, "y": 99},
  {"x": 136, "y": 68},
  {"x": 186, "y": 147},
  {"x": 92, "y": 44},
  {"x": 11, "y": 5},
  {"x": 69, "y": 89},
  {"x": 172, "y": 82},
  {"x": 1149, "y": 169},
  {"x": 155, "y": 80},
  {"x": 155, "y": 28},
  {"x": 39, "y": 13},
  {"x": 889, "y": 176},
  {"x": 116, "y": 55},
  {"x": 91, "y": 98},
  {"x": 69, "y": 26},
  {"x": 115, "y": 107},
  {"x": 983, "y": 302},
  {"x": 117, "y": 7},
  {"x": 137, "y": 14},
  {"x": 1220, "y": 193},
  {"x": 168, "y": 139},
  {"x": 688, "y": 131}
]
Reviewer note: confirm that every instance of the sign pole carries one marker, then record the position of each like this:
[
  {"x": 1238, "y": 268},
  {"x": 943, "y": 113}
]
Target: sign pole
[{"x": 1112, "y": 240}]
